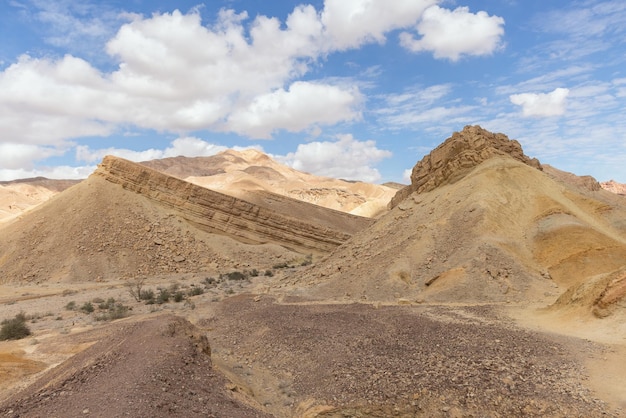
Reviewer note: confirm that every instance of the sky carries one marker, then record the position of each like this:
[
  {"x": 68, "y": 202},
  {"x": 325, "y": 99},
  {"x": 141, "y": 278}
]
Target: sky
[{"x": 352, "y": 89}]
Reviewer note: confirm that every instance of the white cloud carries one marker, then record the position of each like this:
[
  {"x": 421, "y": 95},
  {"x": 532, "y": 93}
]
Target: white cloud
[
  {"x": 406, "y": 175},
  {"x": 425, "y": 108},
  {"x": 352, "y": 23},
  {"x": 303, "y": 105},
  {"x": 346, "y": 158},
  {"x": 453, "y": 33},
  {"x": 15, "y": 156},
  {"x": 57, "y": 172},
  {"x": 542, "y": 104},
  {"x": 187, "y": 146}
]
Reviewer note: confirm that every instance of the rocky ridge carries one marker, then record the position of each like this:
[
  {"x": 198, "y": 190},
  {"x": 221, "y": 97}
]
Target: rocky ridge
[
  {"x": 457, "y": 155},
  {"x": 614, "y": 187},
  {"x": 127, "y": 220},
  {"x": 227, "y": 215}
]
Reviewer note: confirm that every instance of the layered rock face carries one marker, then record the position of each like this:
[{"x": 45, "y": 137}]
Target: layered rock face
[
  {"x": 456, "y": 156},
  {"x": 237, "y": 218}
]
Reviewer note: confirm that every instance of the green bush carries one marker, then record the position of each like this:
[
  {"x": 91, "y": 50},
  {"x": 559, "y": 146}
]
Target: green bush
[
  {"x": 14, "y": 329},
  {"x": 147, "y": 295},
  {"x": 114, "y": 311},
  {"x": 87, "y": 307},
  {"x": 179, "y": 296},
  {"x": 163, "y": 296},
  {"x": 110, "y": 302},
  {"x": 195, "y": 291},
  {"x": 236, "y": 275}
]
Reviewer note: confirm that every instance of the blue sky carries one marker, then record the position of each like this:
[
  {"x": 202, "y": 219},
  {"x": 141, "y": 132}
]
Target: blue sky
[{"x": 356, "y": 89}]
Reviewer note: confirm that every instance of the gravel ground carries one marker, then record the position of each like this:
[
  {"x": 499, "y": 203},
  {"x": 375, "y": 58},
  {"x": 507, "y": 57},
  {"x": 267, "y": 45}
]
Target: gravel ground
[
  {"x": 160, "y": 367},
  {"x": 356, "y": 360}
]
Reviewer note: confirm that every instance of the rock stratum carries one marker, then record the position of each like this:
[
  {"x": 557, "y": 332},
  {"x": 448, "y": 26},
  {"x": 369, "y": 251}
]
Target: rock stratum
[
  {"x": 459, "y": 154},
  {"x": 216, "y": 212},
  {"x": 127, "y": 219}
]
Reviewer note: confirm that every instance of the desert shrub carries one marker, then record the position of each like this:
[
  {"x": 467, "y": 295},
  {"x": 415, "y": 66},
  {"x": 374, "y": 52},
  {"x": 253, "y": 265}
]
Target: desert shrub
[
  {"x": 135, "y": 287},
  {"x": 87, "y": 307},
  {"x": 283, "y": 265},
  {"x": 163, "y": 296},
  {"x": 269, "y": 273},
  {"x": 236, "y": 275},
  {"x": 254, "y": 273},
  {"x": 113, "y": 311},
  {"x": 14, "y": 329},
  {"x": 209, "y": 282},
  {"x": 308, "y": 260},
  {"x": 195, "y": 291},
  {"x": 147, "y": 296},
  {"x": 97, "y": 300},
  {"x": 71, "y": 306},
  {"x": 178, "y": 296},
  {"x": 110, "y": 302}
]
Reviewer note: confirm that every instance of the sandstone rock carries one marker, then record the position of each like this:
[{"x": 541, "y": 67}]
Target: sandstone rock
[
  {"x": 456, "y": 156},
  {"x": 228, "y": 215}
]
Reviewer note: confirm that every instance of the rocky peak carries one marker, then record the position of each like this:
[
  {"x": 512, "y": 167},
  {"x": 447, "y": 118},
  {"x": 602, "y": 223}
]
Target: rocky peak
[
  {"x": 614, "y": 187},
  {"x": 457, "y": 156}
]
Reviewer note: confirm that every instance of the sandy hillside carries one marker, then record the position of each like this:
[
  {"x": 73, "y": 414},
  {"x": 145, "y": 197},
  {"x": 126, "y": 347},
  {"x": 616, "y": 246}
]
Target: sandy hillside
[
  {"x": 128, "y": 220},
  {"x": 501, "y": 230},
  {"x": 18, "y": 196},
  {"x": 246, "y": 173},
  {"x": 494, "y": 286}
]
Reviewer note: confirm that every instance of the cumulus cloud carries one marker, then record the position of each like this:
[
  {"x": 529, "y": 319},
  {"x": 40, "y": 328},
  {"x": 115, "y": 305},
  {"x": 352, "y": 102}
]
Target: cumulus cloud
[
  {"x": 346, "y": 158},
  {"x": 14, "y": 156},
  {"x": 186, "y": 146},
  {"x": 238, "y": 74},
  {"x": 303, "y": 105},
  {"x": 541, "y": 104},
  {"x": 351, "y": 23},
  {"x": 56, "y": 172},
  {"x": 451, "y": 34},
  {"x": 406, "y": 175}
]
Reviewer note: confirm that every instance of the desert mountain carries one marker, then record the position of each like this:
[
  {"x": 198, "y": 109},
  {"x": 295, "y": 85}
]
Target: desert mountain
[
  {"x": 127, "y": 219},
  {"x": 18, "y": 196},
  {"x": 254, "y": 176},
  {"x": 481, "y": 222},
  {"x": 432, "y": 333}
]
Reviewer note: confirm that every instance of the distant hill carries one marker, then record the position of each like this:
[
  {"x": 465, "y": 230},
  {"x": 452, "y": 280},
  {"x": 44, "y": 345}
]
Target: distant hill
[
  {"x": 18, "y": 196},
  {"x": 251, "y": 175}
]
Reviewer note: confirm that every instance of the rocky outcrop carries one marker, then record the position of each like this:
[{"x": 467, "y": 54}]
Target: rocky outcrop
[
  {"x": 614, "y": 187},
  {"x": 230, "y": 216},
  {"x": 458, "y": 155}
]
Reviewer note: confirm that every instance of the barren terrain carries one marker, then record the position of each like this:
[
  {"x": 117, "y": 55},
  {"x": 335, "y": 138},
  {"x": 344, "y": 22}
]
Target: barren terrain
[{"x": 493, "y": 286}]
